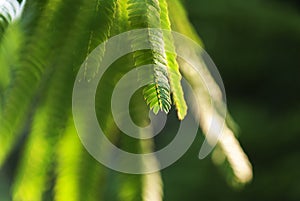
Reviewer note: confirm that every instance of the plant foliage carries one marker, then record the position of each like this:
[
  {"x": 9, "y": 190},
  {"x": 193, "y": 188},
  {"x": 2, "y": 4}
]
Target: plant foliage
[{"x": 42, "y": 45}]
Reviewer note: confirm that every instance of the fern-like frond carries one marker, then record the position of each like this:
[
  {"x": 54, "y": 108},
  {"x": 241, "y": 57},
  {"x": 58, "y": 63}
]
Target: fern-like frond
[
  {"x": 99, "y": 29},
  {"x": 146, "y": 14},
  {"x": 9, "y": 55},
  {"x": 50, "y": 117},
  {"x": 87, "y": 184},
  {"x": 121, "y": 23},
  {"x": 121, "y": 187},
  {"x": 10, "y": 43},
  {"x": 173, "y": 67},
  {"x": 228, "y": 144},
  {"x": 40, "y": 55},
  {"x": 28, "y": 75}
]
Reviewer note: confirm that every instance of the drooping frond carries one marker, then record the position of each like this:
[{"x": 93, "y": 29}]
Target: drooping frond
[
  {"x": 146, "y": 14},
  {"x": 99, "y": 29},
  {"x": 9, "y": 55},
  {"x": 99, "y": 25},
  {"x": 119, "y": 186},
  {"x": 121, "y": 23},
  {"x": 10, "y": 11},
  {"x": 173, "y": 67},
  {"x": 49, "y": 119},
  {"x": 27, "y": 79},
  {"x": 39, "y": 58},
  {"x": 91, "y": 182},
  {"x": 228, "y": 144}
]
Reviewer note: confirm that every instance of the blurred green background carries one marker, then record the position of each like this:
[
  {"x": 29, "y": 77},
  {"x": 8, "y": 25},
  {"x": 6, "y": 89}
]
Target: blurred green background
[{"x": 255, "y": 45}]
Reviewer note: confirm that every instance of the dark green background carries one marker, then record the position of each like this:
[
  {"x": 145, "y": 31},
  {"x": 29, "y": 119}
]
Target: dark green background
[{"x": 256, "y": 47}]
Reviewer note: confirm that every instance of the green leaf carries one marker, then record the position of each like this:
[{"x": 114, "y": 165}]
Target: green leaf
[
  {"x": 173, "y": 67},
  {"x": 28, "y": 76},
  {"x": 146, "y": 14},
  {"x": 49, "y": 119},
  {"x": 54, "y": 107},
  {"x": 10, "y": 46}
]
